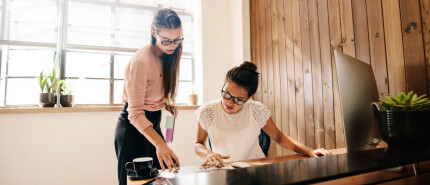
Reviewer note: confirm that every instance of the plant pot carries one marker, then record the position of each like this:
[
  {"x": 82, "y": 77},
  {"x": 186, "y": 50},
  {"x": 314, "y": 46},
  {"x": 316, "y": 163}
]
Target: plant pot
[
  {"x": 67, "y": 100},
  {"x": 193, "y": 99},
  {"x": 47, "y": 99},
  {"x": 405, "y": 129}
]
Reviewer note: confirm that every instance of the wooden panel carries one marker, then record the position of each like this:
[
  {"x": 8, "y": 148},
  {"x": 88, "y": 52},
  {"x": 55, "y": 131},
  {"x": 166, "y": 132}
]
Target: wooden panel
[
  {"x": 276, "y": 76},
  {"x": 326, "y": 9},
  {"x": 337, "y": 40},
  {"x": 316, "y": 74},
  {"x": 262, "y": 28},
  {"x": 292, "y": 50},
  {"x": 282, "y": 67},
  {"x": 306, "y": 130},
  {"x": 255, "y": 43},
  {"x": 377, "y": 45},
  {"x": 291, "y": 88},
  {"x": 258, "y": 50},
  {"x": 425, "y": 17},
  {"x": 269, "y": 56},
  {"x": 361, "y": 31},
  {"x": 298, "y": 68},
  {"x": 347, "y": 27},
  {"x": 253, "y": 30},
  {"x": 335, "y": 29},
  {"x": 394, "y": 46},
  {"x": 288, "y": 28},
  {"x": 413, "y": 50}
]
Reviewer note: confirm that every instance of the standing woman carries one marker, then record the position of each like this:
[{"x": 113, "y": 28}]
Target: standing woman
[{"x": 149, "y": 85}]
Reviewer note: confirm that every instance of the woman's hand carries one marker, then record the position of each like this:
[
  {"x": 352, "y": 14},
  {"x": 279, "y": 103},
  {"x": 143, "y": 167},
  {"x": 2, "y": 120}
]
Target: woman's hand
[
  {"x": 319, "y": 152},
  {"x": 172, "y": 109},
  {"x": 215, "y": 159},
  {"x": 166, "y": 156}
]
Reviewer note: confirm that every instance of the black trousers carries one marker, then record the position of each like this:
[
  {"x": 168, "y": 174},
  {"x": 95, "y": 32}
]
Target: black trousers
[{"x": 130, "y": 143}]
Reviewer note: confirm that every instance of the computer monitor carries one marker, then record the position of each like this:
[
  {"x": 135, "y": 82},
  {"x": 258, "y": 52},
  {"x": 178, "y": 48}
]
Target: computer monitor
[{"x": 358, "y": 90}]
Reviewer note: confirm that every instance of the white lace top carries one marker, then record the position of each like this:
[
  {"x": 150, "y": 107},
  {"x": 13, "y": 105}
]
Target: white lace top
[{"x": 234, "y": 134}]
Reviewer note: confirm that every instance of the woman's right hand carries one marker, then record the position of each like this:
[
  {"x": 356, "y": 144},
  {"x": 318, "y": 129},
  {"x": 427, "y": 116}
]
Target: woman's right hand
[
  {"x": 214, "y": 159},
  {"x": 166, "y": 156}
]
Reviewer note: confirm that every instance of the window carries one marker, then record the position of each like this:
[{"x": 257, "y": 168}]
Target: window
[{"x": 94, "y": 39}]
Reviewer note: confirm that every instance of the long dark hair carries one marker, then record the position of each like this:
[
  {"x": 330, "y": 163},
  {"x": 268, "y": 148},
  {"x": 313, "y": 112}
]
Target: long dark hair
[
  {"x": 168, "y": 18},
  {"x": 245, "y": 76}
]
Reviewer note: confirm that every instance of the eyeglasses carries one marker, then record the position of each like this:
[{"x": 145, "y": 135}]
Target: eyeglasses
[
  {"x": 228, "y": 96},
  {"x": 167, "y": 42}
]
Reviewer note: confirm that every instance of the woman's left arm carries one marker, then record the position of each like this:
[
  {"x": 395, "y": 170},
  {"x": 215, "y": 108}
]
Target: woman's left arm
[{"x": 289, "y": 143}]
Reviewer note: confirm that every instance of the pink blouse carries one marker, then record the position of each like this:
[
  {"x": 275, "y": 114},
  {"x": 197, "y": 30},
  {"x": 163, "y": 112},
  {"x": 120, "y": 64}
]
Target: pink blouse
[{"x": 143, "y": 87}]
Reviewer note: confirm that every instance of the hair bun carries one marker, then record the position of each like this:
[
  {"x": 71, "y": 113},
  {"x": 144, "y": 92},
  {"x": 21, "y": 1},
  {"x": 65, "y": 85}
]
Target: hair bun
[{"x": 249, "y": 66}]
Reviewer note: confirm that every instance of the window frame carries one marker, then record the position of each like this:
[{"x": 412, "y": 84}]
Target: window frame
[{"x": 61, "y": 47}]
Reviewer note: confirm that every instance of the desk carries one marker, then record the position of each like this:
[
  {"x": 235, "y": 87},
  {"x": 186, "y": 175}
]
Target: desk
[{"x": 296, "y": 169}]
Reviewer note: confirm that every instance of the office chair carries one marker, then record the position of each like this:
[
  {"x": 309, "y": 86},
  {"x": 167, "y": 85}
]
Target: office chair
[{"x": 263, "y": 141}]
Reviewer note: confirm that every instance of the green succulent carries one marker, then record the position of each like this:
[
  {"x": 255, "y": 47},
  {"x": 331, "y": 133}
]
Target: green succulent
[{"x": 403, "y": 101}]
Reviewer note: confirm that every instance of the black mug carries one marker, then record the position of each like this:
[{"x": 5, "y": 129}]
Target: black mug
[{"x": 142, "y": 166}]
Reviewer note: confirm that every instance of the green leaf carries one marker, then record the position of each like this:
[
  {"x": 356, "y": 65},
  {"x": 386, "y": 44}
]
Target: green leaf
[
  {"x": 407, "y": 101},
  {"x": 389, "y": 102},
  {"x": 410, "y": 94},
  {"x": 54, "y": 86},
  {"x": 52, "y": 74},
  {"x": 421, "y": 97},
  {"x": 402, "y": 97},
  {"x": 424, "y": 104},
  {"x": 45, "y": 85},
  {"x": 40, "y": 79},
  {"x": 421, "y": 101},
  {"x": 414, "y": 97},
  {"x": 395, "y": 100}
]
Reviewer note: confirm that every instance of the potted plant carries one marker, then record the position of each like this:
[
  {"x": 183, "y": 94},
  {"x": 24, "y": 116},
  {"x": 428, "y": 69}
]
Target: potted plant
[
  {"x": 404, "y": 121},
  {"x": 48, "y": 85},
  {"x": 66, "y": 94},
  {"x": 193, "y": 97}
]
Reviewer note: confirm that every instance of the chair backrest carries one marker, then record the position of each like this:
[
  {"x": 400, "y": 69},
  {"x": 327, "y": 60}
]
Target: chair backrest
[
  {"x": 263, "y": 141},
  {"x": 358, "y": 90}
]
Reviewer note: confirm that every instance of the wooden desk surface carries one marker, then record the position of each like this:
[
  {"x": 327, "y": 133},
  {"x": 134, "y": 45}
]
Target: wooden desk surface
[
  {"x": 372, "y": 177},
  {"x": 255, "y": 162}
]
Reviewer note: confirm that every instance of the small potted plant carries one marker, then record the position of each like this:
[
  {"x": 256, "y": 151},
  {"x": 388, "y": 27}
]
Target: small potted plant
[
  {"x": 404, "y": 121},
  {"x": 193, "y": 97},
  {"x": 66, "y": 94},
  {"x": 48, "y": 85}
]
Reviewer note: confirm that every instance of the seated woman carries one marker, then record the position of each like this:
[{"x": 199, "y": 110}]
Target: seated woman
[{"x": 233, "y": 122}]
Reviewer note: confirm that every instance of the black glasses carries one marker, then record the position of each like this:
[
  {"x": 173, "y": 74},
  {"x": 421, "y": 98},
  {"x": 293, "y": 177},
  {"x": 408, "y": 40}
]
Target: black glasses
[
  {"x": 168, "y": 42},
  {"x": 228, "y": 96}
]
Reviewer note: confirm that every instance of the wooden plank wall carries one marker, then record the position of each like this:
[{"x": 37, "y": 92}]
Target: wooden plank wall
[{"x": 292, "y": 44}]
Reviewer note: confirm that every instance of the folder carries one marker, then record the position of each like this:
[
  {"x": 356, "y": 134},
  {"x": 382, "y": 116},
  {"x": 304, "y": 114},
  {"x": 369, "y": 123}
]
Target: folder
[{"x": 170, "y": 126}]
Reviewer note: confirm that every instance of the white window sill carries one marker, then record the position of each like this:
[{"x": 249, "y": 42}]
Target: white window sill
[{"x": 78, "y": 108}]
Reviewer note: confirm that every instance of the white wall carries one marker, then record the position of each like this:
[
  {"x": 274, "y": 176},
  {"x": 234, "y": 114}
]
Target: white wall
[
  {"x": 73, "y": 148},
  {"x": 240, "y": 30},
  {"x": 225, "y": 42},
  {"x": 216, "y": 46},
  {"x": 78, "y": 148},
  {"x": 57, "y": 148}
]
